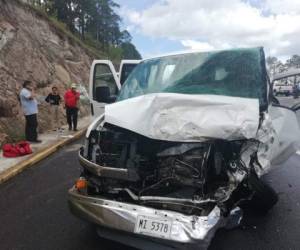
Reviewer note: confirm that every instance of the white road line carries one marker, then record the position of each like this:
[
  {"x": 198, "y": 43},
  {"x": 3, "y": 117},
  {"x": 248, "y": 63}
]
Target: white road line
[{"x": 298, "y": 152}]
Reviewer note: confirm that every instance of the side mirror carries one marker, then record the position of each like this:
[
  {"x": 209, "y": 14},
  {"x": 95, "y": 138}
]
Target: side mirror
[
  {"x": 112, "y": 99},
  {"x": 274, "y": 100},
  {"x": 102, "y": 94}
]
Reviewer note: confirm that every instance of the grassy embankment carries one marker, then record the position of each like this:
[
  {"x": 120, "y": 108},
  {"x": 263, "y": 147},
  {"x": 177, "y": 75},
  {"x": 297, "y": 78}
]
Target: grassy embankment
[{"x": 94, "y": 48}]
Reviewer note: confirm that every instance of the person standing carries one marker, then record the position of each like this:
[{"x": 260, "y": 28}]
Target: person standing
[
  {"x": 54, "y": 100},
  {"x": 71, "y": 98},
  {"x": 30, "y": 109}
]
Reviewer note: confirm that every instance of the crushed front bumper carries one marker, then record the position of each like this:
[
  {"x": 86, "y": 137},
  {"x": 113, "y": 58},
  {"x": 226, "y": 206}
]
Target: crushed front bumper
[{"x": 190, "y": 230}]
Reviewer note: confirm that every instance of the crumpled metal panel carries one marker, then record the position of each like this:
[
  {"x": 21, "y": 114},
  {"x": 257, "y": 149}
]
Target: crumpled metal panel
[
  {"x": 123, "y": 216},
  {"x": 287, "y": 131},
  {"x": 186, "y": 118},
  {"x": 276, "y": 140}
]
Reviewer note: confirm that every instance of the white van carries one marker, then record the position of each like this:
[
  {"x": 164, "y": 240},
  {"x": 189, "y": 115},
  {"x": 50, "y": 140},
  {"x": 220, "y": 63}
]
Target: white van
[
  {"x": 280, "y": 88},
  {"x": 183, "y": 149},
  {"x": 105, "y": 82}
]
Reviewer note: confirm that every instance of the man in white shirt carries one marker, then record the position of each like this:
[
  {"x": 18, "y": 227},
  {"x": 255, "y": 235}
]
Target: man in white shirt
[{"x": 30, "y": 109}]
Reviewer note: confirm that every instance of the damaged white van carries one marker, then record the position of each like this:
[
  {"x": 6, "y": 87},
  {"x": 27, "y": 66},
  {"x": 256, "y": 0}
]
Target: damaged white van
[{"x": 181, "y": 150}]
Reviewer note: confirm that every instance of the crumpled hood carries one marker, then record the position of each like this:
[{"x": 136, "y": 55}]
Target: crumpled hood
[{"x": 186, "y": 118}]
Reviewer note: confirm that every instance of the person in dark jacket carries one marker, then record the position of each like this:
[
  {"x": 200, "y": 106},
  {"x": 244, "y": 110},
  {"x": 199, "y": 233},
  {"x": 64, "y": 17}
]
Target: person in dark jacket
[
  {"x": 71, "y": 98},
  {"x": 54, "y": 100}
]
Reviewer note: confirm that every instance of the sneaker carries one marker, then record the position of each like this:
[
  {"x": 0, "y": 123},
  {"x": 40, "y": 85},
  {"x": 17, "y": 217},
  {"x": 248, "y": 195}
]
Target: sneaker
[
  {"x": 70, "y": 128},
  {"x": 75, "y": 129},
  {"x": 36, "y": 141}
]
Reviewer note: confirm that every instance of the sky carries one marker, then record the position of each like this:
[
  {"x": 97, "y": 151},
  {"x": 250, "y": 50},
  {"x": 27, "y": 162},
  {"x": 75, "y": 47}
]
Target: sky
[{"x": 164, "y": 26}]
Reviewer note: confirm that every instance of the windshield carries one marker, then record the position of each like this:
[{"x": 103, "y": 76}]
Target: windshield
[
  {"x": 239, "y": 73},
  {"x": 126, "y": 70}
]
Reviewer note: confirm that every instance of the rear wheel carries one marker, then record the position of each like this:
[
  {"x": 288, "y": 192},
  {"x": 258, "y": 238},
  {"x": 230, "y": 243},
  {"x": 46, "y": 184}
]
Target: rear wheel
[{"x": 264, "y": 197}]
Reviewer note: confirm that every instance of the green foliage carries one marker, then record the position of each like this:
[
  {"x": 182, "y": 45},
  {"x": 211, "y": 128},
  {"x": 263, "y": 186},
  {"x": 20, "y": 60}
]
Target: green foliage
[
  {"x": 93, "y": 24},
  {"x": 129, "y": 51},
  {"x": 115, "y": 53},
  {"x": 275, "y": 66},
  {"x": 294, "y": 61},
  {"x": 62, "y": 30}
]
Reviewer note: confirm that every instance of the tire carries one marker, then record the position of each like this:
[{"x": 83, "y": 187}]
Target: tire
[{"x": 264, "y": 197}]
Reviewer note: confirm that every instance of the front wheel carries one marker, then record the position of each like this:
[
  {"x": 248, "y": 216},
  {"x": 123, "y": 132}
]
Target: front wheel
[{"x": 264, "y": 197}]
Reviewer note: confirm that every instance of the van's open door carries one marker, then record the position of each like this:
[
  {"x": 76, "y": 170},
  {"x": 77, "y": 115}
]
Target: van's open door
[
  {"x": 104, "y": 85},
  {"x": 126, "y": 67}
]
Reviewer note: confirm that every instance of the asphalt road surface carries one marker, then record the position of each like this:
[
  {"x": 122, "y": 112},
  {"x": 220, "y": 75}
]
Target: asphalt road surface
[{"x": 34, "y": 212}]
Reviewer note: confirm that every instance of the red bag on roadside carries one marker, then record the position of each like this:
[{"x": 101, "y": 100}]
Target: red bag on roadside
[{"x": 15, "y": 150}]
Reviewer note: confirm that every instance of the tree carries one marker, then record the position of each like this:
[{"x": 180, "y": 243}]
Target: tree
[
  {"x": 129, "y": 51},
  {"x": 271, "y": 60},
  {"x": 293, "y": 62},
  {"x": 64, "y": 11},
  {"x": 35, "y": 2},
  {"x": 82, "y": 10},
  {"x": 125, "y": 37},
  {"x": 275, "y": 66},
  {"x": 96, "y": 19}
]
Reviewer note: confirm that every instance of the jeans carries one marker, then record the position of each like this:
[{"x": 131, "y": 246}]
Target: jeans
[
  {"x": 31, "y": 127},
  {"x": 72, "y": 114}
]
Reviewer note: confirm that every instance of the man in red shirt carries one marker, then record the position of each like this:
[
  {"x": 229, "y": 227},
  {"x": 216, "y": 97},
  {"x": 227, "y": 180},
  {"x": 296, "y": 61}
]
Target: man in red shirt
[{"x": 71, "y": 98}]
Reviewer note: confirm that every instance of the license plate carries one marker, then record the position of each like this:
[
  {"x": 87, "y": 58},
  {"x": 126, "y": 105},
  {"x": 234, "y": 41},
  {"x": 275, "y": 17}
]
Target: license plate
[{"x": 152, "y": 226}]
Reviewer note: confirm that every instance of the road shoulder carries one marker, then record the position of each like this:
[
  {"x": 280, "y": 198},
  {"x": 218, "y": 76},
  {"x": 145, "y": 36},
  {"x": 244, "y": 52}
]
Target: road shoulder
[{"x": 52, "y": 141}]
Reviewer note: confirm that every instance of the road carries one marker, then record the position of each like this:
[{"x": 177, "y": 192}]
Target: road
[{"x": 34, "y": 212}]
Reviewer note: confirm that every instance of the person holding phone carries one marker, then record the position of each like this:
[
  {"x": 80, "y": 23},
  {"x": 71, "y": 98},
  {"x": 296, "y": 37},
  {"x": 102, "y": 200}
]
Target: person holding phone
[{"x": 30, "y": 109}]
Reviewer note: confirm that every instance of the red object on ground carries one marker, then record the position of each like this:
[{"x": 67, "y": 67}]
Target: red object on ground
[
  {"x": 71, "y": 98},
  {"x": 15, "y": 150}
]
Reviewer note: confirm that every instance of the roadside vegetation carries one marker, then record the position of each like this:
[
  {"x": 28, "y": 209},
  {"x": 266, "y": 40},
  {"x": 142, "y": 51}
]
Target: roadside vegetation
[
  {"x": 276, "y": 66},
  {"x": 94, "y": 24}
]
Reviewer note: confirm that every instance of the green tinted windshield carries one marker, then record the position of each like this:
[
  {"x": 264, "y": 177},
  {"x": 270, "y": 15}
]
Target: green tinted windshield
[{"x": 238, "y": 72}]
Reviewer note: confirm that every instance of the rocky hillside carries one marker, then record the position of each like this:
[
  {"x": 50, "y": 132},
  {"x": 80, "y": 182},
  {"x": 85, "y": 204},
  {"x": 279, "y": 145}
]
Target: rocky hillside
[{"x": 31, "y": 47}]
